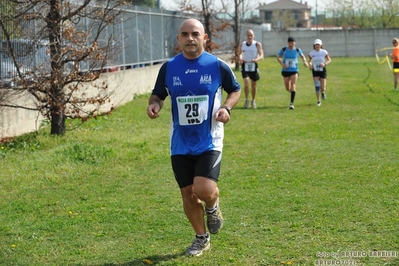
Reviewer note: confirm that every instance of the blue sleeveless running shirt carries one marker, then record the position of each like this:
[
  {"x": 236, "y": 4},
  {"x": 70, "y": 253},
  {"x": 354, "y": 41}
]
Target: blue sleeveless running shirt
[
  {"x": 195, "y": 88},
  {"x": 290, "y": 58}
]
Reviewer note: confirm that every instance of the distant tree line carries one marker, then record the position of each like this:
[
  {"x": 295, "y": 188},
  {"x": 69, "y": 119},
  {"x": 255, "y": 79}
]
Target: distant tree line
[{"x": 364, "y": 14}]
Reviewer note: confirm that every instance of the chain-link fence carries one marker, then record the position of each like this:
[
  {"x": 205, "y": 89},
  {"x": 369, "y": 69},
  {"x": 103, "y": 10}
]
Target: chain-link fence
[{"x": 144, "y": 36}]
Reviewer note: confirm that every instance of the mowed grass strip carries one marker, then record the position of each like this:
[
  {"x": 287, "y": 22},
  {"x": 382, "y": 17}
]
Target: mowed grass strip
[{"x": 297, "y": 186}]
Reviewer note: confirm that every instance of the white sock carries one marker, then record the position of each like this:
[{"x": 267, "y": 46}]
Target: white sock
[
  {"x": 206, "y": 235},
  {"x": 212, "y": 209}
]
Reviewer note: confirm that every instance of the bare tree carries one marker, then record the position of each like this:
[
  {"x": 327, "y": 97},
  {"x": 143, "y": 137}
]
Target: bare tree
[
  {"x": 237, "y": 18},
  {"x": 72, "y": 34},
  {"x": 217, "y": 16},
  {"x": 208, "y": 11},
  {"x": 150, "y": 3}
]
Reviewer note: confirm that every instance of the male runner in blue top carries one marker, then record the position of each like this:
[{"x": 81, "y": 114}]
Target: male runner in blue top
[
  {"x": 195, "y": 80},
  {"x": 288, "y": 59}
]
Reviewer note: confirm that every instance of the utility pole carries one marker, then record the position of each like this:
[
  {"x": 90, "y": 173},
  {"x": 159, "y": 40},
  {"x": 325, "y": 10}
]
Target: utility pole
[
  {"x": 317, "y": 26},
  {"x": 243, "y": 12}
]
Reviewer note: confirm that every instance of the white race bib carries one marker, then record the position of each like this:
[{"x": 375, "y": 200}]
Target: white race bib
[
  {"x": 249, "y": 66},
  {"x": 291, "y": 63},
  {"x": 192, "y": 110},
  {"x": 316, "y": 65}
]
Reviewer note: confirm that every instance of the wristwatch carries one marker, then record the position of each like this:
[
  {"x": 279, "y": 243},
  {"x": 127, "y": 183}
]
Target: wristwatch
[{"x": 227, "y": 108}]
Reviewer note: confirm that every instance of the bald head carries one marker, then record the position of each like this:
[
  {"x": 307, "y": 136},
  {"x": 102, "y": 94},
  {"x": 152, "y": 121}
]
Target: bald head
[
  {"x": 192, "y": 38},
  {"x": 250, "y": 36},
  {"x": 192, "y": 23}
]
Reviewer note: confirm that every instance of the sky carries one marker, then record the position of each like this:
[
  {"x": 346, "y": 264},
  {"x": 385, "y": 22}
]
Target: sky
[{"x": 171, "y": 4}]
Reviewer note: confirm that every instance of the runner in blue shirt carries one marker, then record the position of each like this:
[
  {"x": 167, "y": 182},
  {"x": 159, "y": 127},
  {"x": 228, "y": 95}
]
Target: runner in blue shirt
[
  {"x": 195, "y": 81},
  {"x": 288, "y": 59}
]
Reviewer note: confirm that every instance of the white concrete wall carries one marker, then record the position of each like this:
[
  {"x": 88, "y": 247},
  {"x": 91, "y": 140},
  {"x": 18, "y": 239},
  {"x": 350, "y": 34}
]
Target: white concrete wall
[
  {"x": 123, "y": 86},
  {"x": 339, "y": 43},
  {"x": 15, "y": 121}
]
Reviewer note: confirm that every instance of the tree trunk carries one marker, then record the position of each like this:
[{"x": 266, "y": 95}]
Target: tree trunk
[
  {"x": 57, "y": 121},
  {"x": 57, "y": 104},
  {"x": 236, "y": 30}
]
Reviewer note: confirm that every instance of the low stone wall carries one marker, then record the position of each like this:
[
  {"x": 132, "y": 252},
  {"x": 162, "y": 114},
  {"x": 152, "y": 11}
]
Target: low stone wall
[{"x": 122, "y": 85}]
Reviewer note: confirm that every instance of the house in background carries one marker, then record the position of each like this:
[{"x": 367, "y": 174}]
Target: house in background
[{"x": 284, "y": 14}]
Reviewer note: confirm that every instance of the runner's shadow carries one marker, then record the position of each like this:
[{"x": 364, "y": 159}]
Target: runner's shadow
[{"x": 151, "y": 260}]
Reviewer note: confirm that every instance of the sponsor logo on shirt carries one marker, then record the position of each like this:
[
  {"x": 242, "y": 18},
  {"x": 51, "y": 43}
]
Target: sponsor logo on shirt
[
  {"x": 206, "y": 79},
  {"x": 191, "y": 71},
  {"x": 177, "y": 82}
]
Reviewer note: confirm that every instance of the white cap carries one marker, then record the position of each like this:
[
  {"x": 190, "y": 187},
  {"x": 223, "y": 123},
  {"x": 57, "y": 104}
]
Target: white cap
[{"x": 317, "y": 41}]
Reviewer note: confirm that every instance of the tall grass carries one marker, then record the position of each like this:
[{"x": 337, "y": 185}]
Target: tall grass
[{"x": 297, "y": 186}]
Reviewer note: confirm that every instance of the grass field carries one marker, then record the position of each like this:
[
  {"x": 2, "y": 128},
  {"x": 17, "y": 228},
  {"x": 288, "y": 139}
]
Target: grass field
[{"x": 298, "y": 187}]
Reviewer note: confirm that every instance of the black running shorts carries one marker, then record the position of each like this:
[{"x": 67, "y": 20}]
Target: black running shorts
[
  {"x": 320, "y": 74},
  {"x": 287, "y": 74},
  {"x": 253, "y": 75},
  {"x": 186, "y": 167}
]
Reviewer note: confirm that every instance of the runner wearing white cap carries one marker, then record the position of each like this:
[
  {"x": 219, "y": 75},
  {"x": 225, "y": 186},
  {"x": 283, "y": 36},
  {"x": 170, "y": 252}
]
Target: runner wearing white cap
[{"x": 318, "y": 60}]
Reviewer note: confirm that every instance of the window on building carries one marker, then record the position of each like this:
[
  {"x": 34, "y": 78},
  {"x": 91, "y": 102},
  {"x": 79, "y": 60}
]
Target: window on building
[
  {"x": 296, "y": 15},
  {"x": 268, "y": 16}
]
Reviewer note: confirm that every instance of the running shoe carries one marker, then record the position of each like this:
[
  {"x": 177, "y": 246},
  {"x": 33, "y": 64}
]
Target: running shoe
[
  {"x": 246, "y": 104},
  {"x": 291, "y": 106},
  {"x": 253, "y": 104},
  {"x": 199, "y": 245},
  {"x": 318, "y": 103},
  {"x": 323, "y": 96},
  {"x": 214, "y": 219}
]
